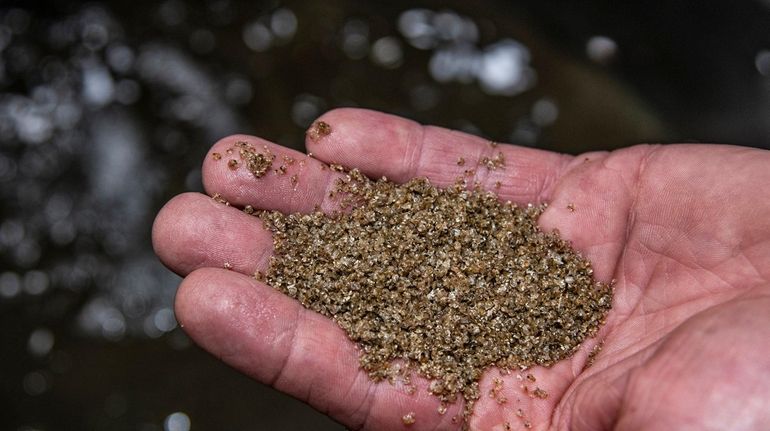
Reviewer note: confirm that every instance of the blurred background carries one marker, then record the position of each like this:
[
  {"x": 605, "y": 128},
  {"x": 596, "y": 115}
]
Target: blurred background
[{"x": 107, "y": 108}]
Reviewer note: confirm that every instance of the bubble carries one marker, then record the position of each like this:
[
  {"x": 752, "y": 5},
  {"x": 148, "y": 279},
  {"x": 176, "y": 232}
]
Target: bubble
[
  {"x": 66, "y": 115},
  {"x": 127, "y": 91},
  {"x": 58, "y": 207},
  {"x": 601, "y": 49},
  {"x": 424, "y": 97},
  {"x": 8, "y": 171},
  {"x": 120, "y": 58},
  {"x": 355, "y": 39},
  {"x": 100, "y": 316},
  {"x": 202, "y": 41},
  {"x": 177, "y": 421},
  {"x": 35, "y": 282},
  {"x": 222, "y": 11},
  {"x": 416, "y": 25},
  {"x": 7, "y": 130},
  {"x": 10, "y": 284},
  {"x": 11, "y": 233},
  {"x": 40, "y": 342},
  {"x": 178, "y": 340},
  {"x": 5, "y": 36},
  {"x": 149, "y": 328},
  {"x": 62, "y": 34},
  {"x": 526, "y": 132},
  {"x": 194, "y": 180},
  {"x": 762, "y": 62},
  {"x": 164, "y": 320},
  {"x": 33, "y": 127},
  {"x": 257, "y": 37},
  {"x": 172, "y": 12},
  {"x": 20, "y": 58},
  {"x": 386, "y": 52},
  {"x": 453, "y": 27},
  {"x": 238, "y": 91},
  {"x": 544, "y": 112},
  {"x": 305, "y": 109},
  {"x": 98, "y": 86},
  {"x": 504, "y": 68},
  {"x": 95, "y": 36},
  {"x": 189, "y": 108},
  {"x": 283, "y": 23},
  {"x": 455, "y": 63},
  {"x": 45, "y": 97},
  {"x": 35, "y": 383},
  {"x": 27, "y": 253},
  {"x": 62, "y": 232},
  {"x": 17, "y": 19},
  {"x": 114, "y": 327}
]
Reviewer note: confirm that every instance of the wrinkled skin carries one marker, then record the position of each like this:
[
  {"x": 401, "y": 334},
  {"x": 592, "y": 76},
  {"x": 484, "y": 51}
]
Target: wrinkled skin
[{"x": 684, "y": 229}]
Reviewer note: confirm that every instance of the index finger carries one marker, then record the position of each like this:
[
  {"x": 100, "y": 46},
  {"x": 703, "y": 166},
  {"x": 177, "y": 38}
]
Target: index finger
[{"x": 386, "y": 145}]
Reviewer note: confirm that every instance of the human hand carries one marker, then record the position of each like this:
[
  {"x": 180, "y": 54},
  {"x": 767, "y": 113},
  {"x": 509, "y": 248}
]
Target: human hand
[{"x": 684, "y": 229}]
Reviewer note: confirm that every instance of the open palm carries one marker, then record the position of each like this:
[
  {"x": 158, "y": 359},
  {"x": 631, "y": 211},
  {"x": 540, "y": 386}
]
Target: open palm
[{"x": 683, "y": 229}]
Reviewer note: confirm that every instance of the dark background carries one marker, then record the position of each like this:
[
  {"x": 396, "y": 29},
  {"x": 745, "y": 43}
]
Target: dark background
[{"x": 107, "y": 108}]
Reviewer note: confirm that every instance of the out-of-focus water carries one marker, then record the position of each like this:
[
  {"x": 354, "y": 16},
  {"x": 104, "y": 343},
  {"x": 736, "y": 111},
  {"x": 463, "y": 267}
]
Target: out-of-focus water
[{"x": 107, "y": 108}]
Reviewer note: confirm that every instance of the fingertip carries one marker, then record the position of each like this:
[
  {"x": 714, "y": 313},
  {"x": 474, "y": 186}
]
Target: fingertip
[
  {"x": 221, "y": 311},
  {"x": 168, "y": 230},
  {"x": 205, "y": 298},
  {"x": 375, "y": 142},
  {"x": 247, "y": 170},
  {"x": 193, "y": 231},
  {"x": 223, "y": 165}
]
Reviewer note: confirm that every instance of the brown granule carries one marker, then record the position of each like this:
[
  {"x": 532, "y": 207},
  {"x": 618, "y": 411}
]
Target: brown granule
[
  {"x": 540, "y": 393},
  {"x": 259, "y": 276},
  {"x": 531, "y": 378},
  {"x": 232, "y": 164},
  {"x": 571, "y": 207},
  {"x": 496, "y": 391},
  {"x": 318, "y": 130},
  {"x": 593, "y": 354},
  {"x": 449, "y": 281},
  {"x": 216, "y": 156},
  {"x": 218, "y": 198},
  {"x": 408, "y": 419},
  {"x": 495, "y": 162},
  {"x": 257, "y": 163},
  {"x": 461, "y": 161}
]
